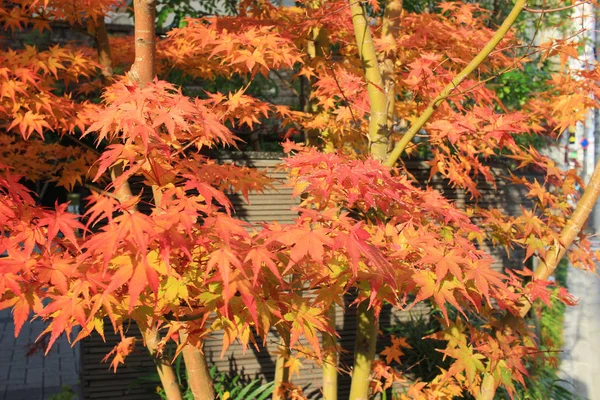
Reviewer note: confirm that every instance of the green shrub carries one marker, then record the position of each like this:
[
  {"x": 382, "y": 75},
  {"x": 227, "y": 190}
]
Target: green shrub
[{"x": 66, "y": 393}]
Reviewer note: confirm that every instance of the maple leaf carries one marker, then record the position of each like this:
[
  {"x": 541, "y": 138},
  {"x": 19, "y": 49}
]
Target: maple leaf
[
  {"x": 120, "y": 351},
  {"x": 11, "y": 184},
  {"x": 394, "y": 352},
  {"x": 538, "y": 289},
  {"x": 223, "y": 258},
  {"x": 260, "y": 256},
  {"x": 30, "y": 122},
  {"x": 444, "y": 262},
  {"x": 567, "y": 298},
  {"x": 21, "y": 310},
  {"x": 306, "y": 320},
  {"x": 305, "y": 241},
  {"x": 294, "y": 364},
  {"x": 62, "y": 221},
  {"x": 467, "y": 361},
  {"x": 100, "y": 207}
]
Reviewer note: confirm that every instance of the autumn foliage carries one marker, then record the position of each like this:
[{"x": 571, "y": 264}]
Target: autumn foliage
[{"x": 178, "y": 261}]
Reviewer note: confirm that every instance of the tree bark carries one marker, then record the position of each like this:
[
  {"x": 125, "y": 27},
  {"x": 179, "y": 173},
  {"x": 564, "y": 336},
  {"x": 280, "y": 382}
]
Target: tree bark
[
  {"x": 330, "y": 362},
  {"x": 364, "y": 352},
  {"x": 378, "y": 133},
  {"x": 143, "y": 72},
  {"x": 144, "y": 67},
  {"x": 316, "y": 46},
  {"x": 103, "y": 48},
  {"x": 390, "y": 30},
  {"x": 198, "y": 373},
  {"x": 366, "y": 334},
  {"x": 282, "y": 371},
  {"x": 165, "y": 372}
]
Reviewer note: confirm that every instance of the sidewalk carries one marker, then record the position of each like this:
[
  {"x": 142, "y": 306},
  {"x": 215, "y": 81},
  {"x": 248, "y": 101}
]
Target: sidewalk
[
  {"x": 35, "y": 377},
  {"x": 581, "y": 354}
]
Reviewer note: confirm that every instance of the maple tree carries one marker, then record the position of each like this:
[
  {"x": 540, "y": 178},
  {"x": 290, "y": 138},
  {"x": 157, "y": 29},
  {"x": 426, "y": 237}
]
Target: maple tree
[{"x": 181, "y": 266}]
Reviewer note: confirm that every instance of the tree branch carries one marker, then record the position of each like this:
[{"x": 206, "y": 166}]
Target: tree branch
[
  {"x": 479, "y": 58},
  {"x": 551, "y": 10}
]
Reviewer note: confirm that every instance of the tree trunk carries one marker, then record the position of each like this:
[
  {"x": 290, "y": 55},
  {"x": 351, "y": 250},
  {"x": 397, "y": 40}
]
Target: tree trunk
[
  {"x": 143, "y": 71},
  {"x": 316, "y": 46},
  {"x": 364, "y": 351},
  {"x": 199, "y": 379},
  {"x": 282, "y": 371},
  {"x": 144, "y": 66},
  {"x": 330, "y": 362},
  {"x": 366, "y": 334},
  {"x": 103, "y": 48},
  {"x": 165, "y": 372},
  {"x": 389, "y": 34},
  {"x": 378, "y": 133}
]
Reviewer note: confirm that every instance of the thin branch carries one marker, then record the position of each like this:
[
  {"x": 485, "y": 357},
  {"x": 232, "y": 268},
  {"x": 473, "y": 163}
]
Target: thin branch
[
  {"x": 286, "y": 83},
  {"x": 101, "y": 191},
  {"x": 551, "y": 10},
  {"x": 483, "y": 54},
  {"x": 337, "y": 83},
  {"x": 82, "y": 144}
]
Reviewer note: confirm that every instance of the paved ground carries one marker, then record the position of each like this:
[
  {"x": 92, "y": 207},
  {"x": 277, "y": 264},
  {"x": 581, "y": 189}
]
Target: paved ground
[
  {"x": 34, "y": 377},
  {"x": 581, "y": 358}
]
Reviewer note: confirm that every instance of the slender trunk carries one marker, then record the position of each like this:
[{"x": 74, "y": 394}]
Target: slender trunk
[
  {"x": 364, "y": 351},
  {"x": 390, "y": 30},
  {"x": 330, "y": 362},
  {"x": 378, "y": 133},
  {"x": 144, "y": 67},
  {"x": 557, "y": 251},
  {"x": 143, "y": 71},
  {"x": 316, "y": 46},
  {"x": 198, "y": 373},
  {"x": 447, "y": 91},
  {"x": 103, "y": 47},
  {"x": 366, "y": 334},
  {"x": 166, "y": 374},
  {"x": 282, "y": 371}
]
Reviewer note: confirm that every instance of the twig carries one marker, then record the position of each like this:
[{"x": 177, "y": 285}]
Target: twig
[
  {"x": 479, "y": 58},
  {"x": 550, "y": 10},
  {"x": 337, "y": 83}
]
